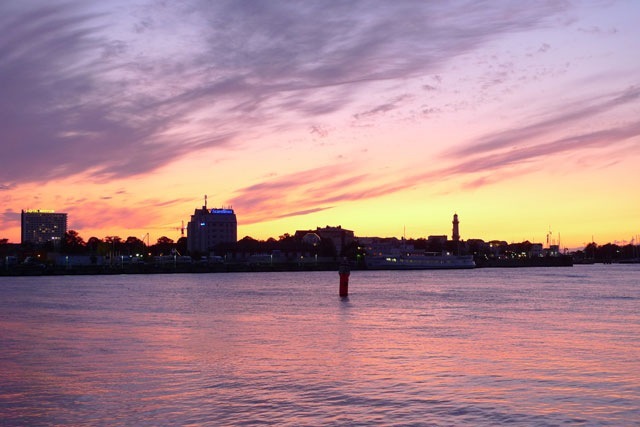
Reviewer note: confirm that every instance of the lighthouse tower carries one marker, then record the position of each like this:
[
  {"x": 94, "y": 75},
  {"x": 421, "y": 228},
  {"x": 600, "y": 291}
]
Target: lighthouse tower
[{"x": 456, "y": 231}]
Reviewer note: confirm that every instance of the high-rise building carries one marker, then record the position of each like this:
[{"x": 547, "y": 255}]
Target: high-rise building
[
  {"x": 43, "y": 226},
  {"x": 210, "y": 227}
]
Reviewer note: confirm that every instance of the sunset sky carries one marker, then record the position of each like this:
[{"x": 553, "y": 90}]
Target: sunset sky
[{"x": 382, "y": 117}]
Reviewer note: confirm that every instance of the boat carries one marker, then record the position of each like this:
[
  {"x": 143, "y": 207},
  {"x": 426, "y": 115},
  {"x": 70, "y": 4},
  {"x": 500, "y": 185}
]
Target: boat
[{"x": 418, "y": 261}]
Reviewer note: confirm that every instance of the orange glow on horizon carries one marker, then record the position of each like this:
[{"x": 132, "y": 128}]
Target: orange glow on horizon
[{"x": 524, "y": 130}]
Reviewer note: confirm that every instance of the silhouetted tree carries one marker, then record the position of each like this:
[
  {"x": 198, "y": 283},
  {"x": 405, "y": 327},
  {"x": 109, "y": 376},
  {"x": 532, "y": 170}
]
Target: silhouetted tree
[
  {"x": 4, "y": 249},
  {"x": 288, "y": 243},
  {"x": 164, "y": 246},
  {"x": 629, "y": 251},
  {"x": 591, "y": 250},
  {"x": 248, "y": 245},
  {"x": 73, "y": 243},
  {"x": 134, "y": 246},
  {"x": 181, "y": 245},
  {"x": 93, "y": 244},
  {"x": 115, "y": 242},
  {"x": 270, "y": 245},
  {"x": 609, "y": 251},
  {"x": 113, "y": 246}
]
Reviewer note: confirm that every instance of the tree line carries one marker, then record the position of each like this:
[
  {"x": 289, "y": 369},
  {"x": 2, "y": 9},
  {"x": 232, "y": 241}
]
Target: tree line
[
  {"x": 74, "y": 244},
  {"x": 609, "y": 252}
]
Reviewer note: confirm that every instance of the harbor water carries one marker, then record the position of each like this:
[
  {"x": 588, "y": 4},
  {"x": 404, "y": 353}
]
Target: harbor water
[{"x": 484, "y": 347}]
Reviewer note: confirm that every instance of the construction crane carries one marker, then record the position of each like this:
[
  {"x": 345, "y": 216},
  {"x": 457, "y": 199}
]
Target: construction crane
[{"x": 181, "y": 228}]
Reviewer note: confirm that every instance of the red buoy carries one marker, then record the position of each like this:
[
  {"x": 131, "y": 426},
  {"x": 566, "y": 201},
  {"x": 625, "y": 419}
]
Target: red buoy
[{"x": 344, "y": 272}]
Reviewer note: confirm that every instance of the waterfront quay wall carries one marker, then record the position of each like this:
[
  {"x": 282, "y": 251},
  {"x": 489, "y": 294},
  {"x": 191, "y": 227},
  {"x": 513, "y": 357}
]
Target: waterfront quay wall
[
  {"x": 167, "y": 268},
  {"x": 547, "y": 261},
  {"x": 321, "y": 264}
]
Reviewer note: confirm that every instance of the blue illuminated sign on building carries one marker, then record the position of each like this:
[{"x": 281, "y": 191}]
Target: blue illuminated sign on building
[{"x": 222, "y": 211}]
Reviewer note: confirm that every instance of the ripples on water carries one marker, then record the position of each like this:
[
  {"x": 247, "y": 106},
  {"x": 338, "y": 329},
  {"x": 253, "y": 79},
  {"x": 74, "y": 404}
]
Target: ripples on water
[{"x": 555, "y": 346}]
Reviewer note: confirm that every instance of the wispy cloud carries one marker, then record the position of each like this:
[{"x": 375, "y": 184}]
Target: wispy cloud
[
  {"x": 483, "y": 162},
  {"x": 83, "y": 92},
  {"x": 10, "y": 217},
  {"x": 565, "y": 116},
  {"x": 293, "y": 194},
  {"x": 514, "y": 150},
  {"x": 146, "y": 214},
  {"x": 382, "y": 108}
]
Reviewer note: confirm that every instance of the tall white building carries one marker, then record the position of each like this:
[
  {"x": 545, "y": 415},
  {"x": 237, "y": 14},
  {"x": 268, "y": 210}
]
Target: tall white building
[{"x": 210, "y": 227}]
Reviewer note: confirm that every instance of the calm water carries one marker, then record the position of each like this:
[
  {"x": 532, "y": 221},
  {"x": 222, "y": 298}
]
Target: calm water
[{"x": 554, "y": 346}]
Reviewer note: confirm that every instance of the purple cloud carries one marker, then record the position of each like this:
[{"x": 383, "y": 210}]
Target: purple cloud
[
  {"x": 85, "y": 93},
  {"x": 568, "y": 115}
]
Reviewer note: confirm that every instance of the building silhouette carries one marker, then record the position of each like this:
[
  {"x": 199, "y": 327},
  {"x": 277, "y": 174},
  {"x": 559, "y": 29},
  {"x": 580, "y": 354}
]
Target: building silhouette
[
  {"x": 340, "y": 237},
  {"x": 211, "y": 227},
  {"x": 43, "y": 226},
  {"x": 455, "y": 235}
]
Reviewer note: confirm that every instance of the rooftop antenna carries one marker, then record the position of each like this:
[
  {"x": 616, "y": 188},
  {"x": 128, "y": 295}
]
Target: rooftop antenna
[
  {"x": 205, "y": 201},
  {"x": 549, "y": 235}
]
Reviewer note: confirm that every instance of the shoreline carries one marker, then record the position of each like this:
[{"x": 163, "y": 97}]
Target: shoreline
[{"x": 19, "y": 271}]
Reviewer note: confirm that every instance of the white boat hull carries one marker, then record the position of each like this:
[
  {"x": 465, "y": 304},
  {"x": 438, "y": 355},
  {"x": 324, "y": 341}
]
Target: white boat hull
[{"x": 433, "y": 262}]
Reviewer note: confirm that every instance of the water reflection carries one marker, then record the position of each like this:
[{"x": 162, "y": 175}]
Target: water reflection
[{"x": 479, "y": 348}]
